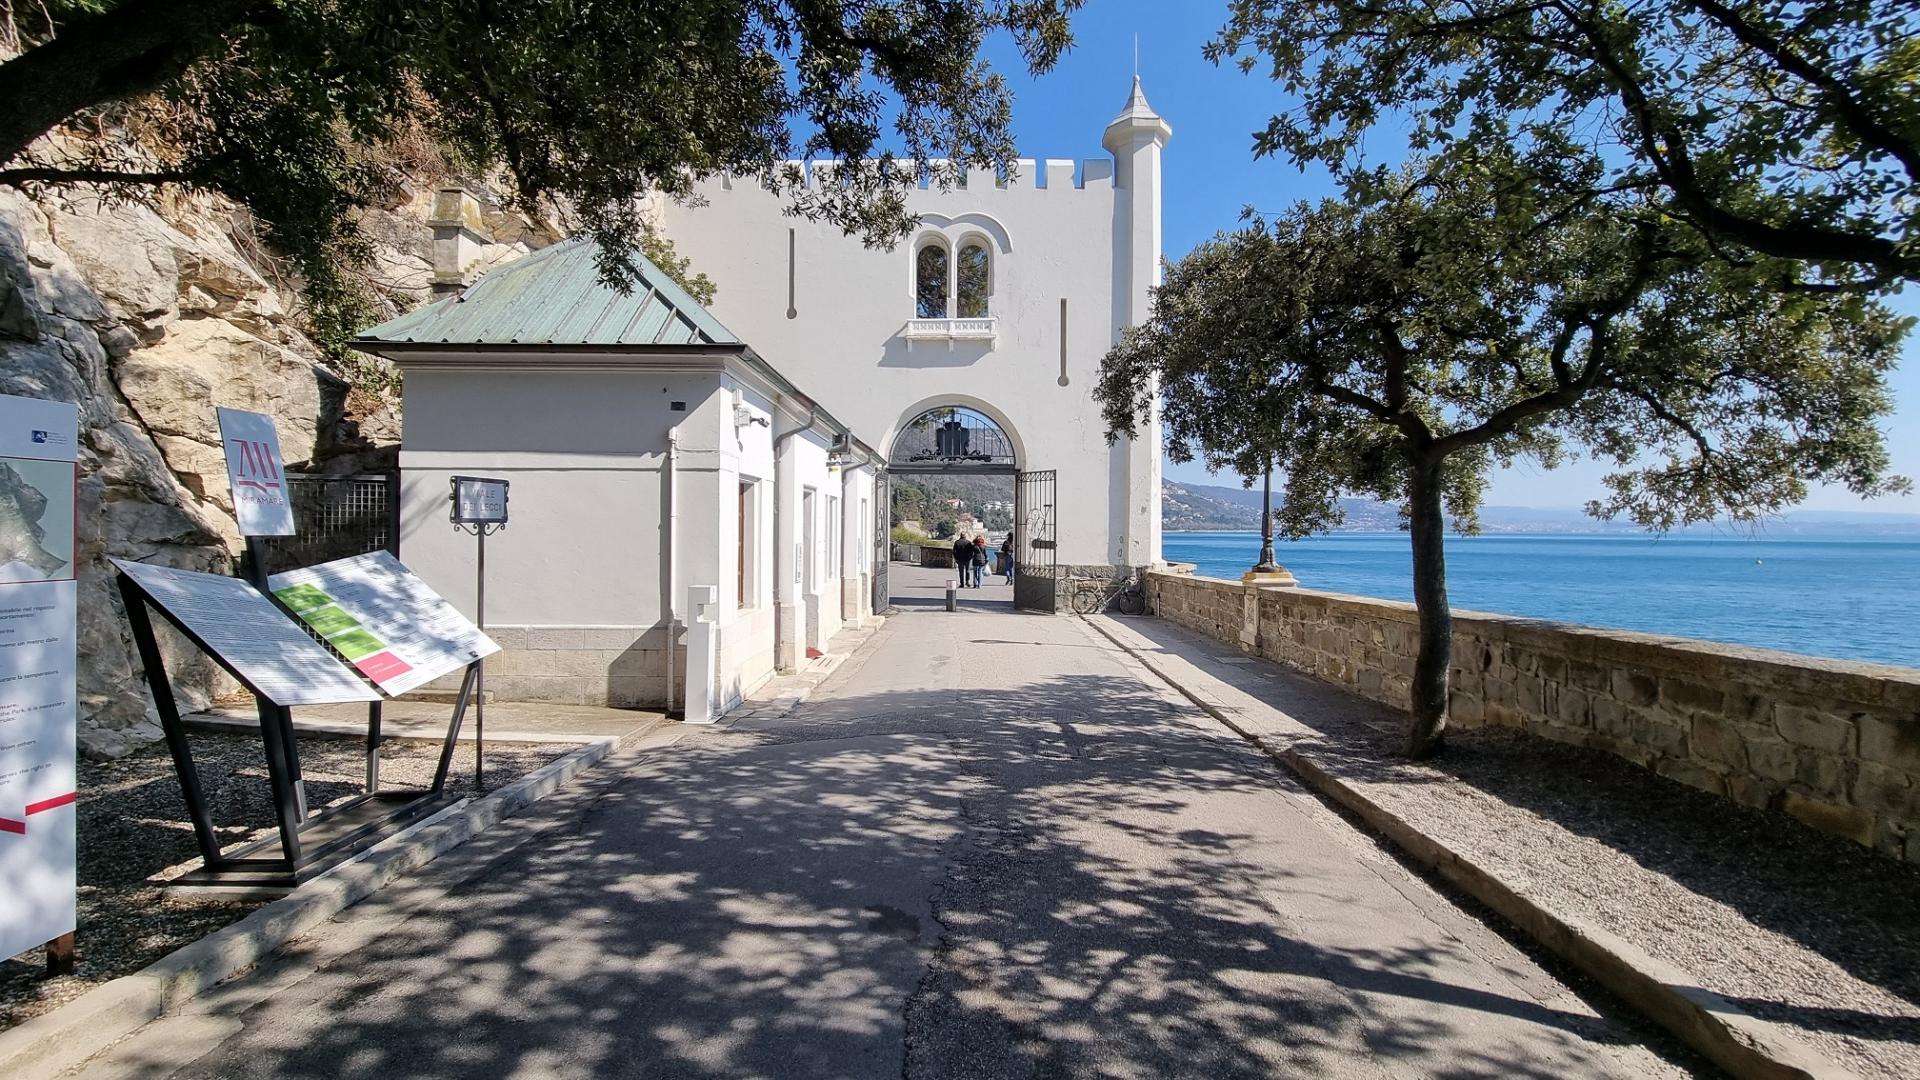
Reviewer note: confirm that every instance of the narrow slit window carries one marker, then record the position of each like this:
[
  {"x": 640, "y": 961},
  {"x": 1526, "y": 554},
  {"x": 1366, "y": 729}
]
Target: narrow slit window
[
  {"x": 930, "y": 281},
  {"x": 974, "y": 282}
]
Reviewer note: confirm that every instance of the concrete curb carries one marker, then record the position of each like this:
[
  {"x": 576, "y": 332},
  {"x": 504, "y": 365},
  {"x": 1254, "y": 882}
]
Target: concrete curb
[
  {"x": 48, "y": 1044},
  {"x": 1729, "y": 1036}
]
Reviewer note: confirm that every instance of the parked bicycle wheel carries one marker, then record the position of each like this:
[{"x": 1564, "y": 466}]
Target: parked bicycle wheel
[
  {"x": 1089, "y": 599},
  {"x": 1133, "y": 602}
]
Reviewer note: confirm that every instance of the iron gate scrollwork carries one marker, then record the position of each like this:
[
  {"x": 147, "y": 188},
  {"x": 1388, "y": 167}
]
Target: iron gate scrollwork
[{"x": 1035, "y": 541}]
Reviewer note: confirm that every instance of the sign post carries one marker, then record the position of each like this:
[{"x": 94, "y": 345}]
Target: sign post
[
  {"x": 263, "y": 506},
  {"x": 479, "y": 503},
  {"x": 37, "y": 677}
]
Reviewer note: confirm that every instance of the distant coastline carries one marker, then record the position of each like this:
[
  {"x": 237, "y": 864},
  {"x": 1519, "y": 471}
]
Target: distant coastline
[{"x": 1204, "y": 508}]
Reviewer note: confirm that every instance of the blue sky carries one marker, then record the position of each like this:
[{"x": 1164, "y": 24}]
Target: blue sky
[{"x": 1211, "y": 174}]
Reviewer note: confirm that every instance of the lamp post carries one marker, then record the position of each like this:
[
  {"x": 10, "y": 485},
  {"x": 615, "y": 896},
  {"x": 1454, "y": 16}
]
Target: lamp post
[
  {"x": 1267, "y": 571},
  {"x": 1266, "y": 563}
]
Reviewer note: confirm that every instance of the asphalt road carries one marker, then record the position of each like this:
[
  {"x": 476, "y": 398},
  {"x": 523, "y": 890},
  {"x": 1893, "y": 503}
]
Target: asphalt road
[{"x": 987, "y": 847}]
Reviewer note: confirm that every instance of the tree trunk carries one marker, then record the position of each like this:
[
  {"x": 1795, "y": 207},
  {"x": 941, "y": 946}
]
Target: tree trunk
[
  {"x": 1429, "y": 526},
  {"x": 133, "y": 48}
]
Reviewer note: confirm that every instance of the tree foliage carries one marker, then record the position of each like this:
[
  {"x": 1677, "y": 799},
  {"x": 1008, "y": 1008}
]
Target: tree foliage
[
  {"x": 1773, "y": 127},
  {"x": 281, "y": 104},
  {"x": 1401, "y": 342}
]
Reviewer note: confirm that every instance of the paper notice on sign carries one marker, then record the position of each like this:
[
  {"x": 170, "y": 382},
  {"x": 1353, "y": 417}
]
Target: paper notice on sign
[
  {"x": 37, "y": 667},
  {"x": 237, "y": 623},
  {"x": 383, "y": 619},
  {"x": 261, "y": 503}
]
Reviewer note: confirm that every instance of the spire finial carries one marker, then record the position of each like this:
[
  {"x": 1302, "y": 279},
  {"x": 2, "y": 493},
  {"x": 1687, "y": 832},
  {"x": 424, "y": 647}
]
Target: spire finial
[{"x": 1136, "y": 56}]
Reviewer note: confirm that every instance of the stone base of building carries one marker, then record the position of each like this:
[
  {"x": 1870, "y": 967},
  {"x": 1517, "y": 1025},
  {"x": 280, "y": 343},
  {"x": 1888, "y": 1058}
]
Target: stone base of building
[{"x": 622, "y": 667}]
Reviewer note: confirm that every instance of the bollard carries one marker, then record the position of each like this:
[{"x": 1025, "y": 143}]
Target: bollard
[{"x": 953, "y": 596}]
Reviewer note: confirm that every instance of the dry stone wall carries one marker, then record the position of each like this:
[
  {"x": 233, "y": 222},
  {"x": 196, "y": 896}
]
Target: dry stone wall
[
  {"x": 1833, "y": 743},
  {"x": 149, "y": 315}
]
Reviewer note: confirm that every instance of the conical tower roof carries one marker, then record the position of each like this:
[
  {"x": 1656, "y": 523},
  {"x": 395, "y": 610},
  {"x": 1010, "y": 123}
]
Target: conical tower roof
[{"x": 1135, "y": 118}]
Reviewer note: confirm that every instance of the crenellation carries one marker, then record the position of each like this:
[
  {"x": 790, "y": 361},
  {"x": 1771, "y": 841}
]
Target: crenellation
[
  {"x": 1835, "y": 744},
  {"x": 1096, "y": 173}
]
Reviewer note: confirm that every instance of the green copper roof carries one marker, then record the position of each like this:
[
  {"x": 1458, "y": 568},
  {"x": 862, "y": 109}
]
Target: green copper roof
[{"x": 555, "y": 297}]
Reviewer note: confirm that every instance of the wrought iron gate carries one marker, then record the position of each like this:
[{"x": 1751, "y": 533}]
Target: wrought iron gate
[
  {"x": 882, "y": 539},
  {"x": 1034, "y": 541}
]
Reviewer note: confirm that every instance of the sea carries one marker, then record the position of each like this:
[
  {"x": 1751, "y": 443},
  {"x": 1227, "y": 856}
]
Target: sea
[{"x": 1848, "y": 596}]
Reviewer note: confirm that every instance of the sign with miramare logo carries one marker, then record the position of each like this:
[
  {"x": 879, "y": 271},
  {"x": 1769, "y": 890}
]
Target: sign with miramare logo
[
  {"x": 261, "y": 501},
  {"x": 37, "y": 667}
]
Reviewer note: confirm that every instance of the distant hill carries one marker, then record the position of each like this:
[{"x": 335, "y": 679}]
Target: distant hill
[{"x": 1203, "y": 507}]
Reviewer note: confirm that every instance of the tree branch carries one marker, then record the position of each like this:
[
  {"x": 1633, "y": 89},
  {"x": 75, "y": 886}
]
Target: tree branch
[
  {"x": 1855, "y": 115},
  {"x": 1674, "y": 163},
  {"x": 131, "y": 48},
  {"x": 51, "y": 175}
]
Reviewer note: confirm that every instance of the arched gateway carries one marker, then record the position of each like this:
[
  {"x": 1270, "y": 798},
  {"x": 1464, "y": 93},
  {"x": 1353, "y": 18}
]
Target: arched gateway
[{"x": 963, "y": 440}]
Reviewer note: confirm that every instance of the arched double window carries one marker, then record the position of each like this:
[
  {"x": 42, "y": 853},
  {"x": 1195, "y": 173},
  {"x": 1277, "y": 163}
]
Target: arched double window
[{"x": 961, "y": 288}]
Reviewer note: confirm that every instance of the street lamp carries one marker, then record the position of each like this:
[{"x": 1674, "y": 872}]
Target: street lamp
[
  {"x": 1266, "y": 564},
  {"x": 1267, "y": 571}
]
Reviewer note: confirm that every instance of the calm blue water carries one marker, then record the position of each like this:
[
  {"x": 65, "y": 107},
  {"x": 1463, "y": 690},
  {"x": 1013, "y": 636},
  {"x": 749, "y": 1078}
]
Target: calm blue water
[{"x": 1854, "y": 598}]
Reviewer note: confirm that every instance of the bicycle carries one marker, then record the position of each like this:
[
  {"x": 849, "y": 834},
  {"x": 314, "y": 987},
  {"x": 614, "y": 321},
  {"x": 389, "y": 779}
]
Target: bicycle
[{"x": 1125, "y": 595}]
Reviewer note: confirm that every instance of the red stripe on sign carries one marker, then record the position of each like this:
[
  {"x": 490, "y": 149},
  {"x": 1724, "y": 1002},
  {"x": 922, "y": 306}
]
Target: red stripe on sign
[
  {"x": 50, "y": 804},
  {"x": 10, "y": 825}
]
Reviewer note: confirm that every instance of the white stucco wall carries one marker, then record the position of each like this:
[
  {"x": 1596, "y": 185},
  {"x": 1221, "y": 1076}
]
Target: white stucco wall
[
  {"x": 575, "y": 581},
  {"x": 1053, "y": 236}
]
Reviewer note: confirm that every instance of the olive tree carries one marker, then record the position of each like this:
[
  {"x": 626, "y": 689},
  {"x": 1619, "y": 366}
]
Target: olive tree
[
  {"x": 1404, "y": 341},
  {"x": 285, "y": 105}
]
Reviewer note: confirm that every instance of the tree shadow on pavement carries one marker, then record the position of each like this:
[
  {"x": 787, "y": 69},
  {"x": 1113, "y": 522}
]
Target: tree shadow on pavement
[
  {"x": 1718, "y": 864},
  {"x": 1065, "y": 878}
]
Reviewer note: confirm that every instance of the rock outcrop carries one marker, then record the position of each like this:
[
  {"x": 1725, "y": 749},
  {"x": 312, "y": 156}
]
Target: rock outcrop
[{"x": 148, "y": 316}]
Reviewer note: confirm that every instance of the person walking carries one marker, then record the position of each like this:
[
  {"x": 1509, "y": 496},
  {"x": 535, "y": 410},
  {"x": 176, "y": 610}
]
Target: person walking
[
  {"x": 963, "y": 560},
  {"x": 979, "y": 560},
  {"x": 1006, "y": 557}
]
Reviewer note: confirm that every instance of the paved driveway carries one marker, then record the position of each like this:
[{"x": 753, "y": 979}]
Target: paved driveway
[{"x": 985, "y": 848}]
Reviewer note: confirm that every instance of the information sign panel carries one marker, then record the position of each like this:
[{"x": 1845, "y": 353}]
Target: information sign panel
[
  {"x": 261, "y": 502},
  {"x": 383, "y": 619},
  {"x": 479, "y": 500},
  {"x": 37, "y": 666},
  {"x": 238, "y": 624}
]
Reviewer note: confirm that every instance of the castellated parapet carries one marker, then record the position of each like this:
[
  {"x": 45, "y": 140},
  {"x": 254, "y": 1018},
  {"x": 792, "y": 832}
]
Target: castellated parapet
[{"x": 1028, "y": 174}]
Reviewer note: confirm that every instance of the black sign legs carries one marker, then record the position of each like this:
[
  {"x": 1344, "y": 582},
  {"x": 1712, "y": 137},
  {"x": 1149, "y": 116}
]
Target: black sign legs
[
  {"x": 276, "y": 728},
  {"x": 142, "y": 626},
  {"x": 373, "y": 746},
  {"x": 453, "y": 729}
]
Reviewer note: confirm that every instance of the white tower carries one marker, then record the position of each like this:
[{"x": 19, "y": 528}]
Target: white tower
[{"x": 1135, "y": 138}]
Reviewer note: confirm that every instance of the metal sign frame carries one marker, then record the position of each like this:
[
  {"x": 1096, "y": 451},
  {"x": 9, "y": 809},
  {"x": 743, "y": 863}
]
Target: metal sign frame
[
  {"x": 308, "y": 845},
  {"x": 455, "y": 485}
]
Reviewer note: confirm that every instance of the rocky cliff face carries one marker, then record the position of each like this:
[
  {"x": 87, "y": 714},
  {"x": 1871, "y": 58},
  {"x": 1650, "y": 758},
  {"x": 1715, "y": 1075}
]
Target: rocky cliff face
[{"x": 149, "y": 316}]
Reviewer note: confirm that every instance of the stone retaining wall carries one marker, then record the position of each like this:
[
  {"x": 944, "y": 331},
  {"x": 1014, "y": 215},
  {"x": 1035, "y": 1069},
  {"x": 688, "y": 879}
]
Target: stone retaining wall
[{"x": 1834, "y": 743}]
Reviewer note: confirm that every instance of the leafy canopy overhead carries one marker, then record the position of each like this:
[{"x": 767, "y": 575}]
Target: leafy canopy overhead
[
  {"x": 1446, "y": 320},
  {"x": 286, "y": 105},
  {"x": 1773, "y": 127}
]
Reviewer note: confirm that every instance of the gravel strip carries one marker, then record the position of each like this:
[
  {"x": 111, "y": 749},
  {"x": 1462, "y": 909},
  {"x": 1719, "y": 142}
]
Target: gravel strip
[
  {"x": 1805, "y": 929},
  {"x": 133, "y": 825}
]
